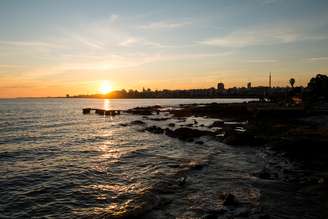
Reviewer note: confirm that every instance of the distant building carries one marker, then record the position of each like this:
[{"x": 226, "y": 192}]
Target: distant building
[{"x": 220, "y": 87}]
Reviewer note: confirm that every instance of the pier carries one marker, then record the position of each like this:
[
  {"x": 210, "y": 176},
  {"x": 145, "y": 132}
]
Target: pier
[{"x": 101, "y": 111}]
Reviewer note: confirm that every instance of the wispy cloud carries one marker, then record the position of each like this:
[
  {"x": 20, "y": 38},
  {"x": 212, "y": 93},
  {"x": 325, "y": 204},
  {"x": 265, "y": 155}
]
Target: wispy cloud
[
  {"x": 261, "y": 61},
  {"x": 113, "y": 18},
  {"x": 9, "y": 66},
  {"x": 315, "y": 59},
  {"x": 131, "y": 60},
  {"x": 261, "y": 36},
  {"x": 164, "y": 25},
  {"x": 129, "y": 41},
  {"x": 29, "y": 44},
  {"x": 96, "y": 44}
]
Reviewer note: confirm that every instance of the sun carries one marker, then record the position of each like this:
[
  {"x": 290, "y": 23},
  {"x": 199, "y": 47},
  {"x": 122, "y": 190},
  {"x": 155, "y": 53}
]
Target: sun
[{"x": 105, "y": 87}]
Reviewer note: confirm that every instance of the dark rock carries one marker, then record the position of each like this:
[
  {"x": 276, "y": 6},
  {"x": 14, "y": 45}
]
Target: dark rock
[
  {"x": 144, "y": 110},
  {"x": 160, "y": 119},
  {"x": 100, "y": 112},
  {"x": 218, "y": 123},
  {"x": 198, "y": 165},
  {"x": 155, "y": 129},
  {"x": 199, "y": 142},
  {"x": 187, "y": 134},
  {"x": 186, "y": 112},
  {"x": 238, "y": 138},
  {"x": 171, "y": 125},
  {"x": 242, "y": 212},
  {"x": 264, "y": 174},
  {"x": 189, "y": 125},
  {"x": 229, "y": 199},
  {"x": 86, "y": 110},
  {"x": 182, "y": 180},
  {"x": 137, "y": 122}
]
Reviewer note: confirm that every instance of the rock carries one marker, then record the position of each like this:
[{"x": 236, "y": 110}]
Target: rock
[
  {"x": 182, "y": 180},
  {"x": 171, "y": 125},
  {"x": 181, "y": 112},
  {"x": 238, "y": 138},
  {"x": 242, "y": 212},
  {"x": 264, "y": 174},
  {"x": 187, "y": 134},
  {"x": 229, "y": 199},
  {"x": 218, "y": 123},
  {"x": 86, "y": 110},
  {"x": 189, "y": 125},
  {"x": 155, "y": 129},
  {"x": 149, "y": 110},
  {"x": 137, "y": 122},
  {"x": 160, "y": 119},
  {"x": 199, "y": 142},
  {"x": 100, "y": 112}
]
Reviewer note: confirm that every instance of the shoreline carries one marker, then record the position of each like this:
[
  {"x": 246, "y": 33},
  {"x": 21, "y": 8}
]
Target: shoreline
[{"x": 297, "y": 134}]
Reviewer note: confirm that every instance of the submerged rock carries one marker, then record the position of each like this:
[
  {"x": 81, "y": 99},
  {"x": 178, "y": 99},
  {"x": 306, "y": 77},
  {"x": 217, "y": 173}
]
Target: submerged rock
[
  {"x": 265, "y": 173},
  {"x": 182, "y": 180},
  {"x": 187, "y": 134},
  {"x": 229, "y": 199},
  {"x": 155, "y": 129},
  {"x": 149, "y": 110},
  {"x": 137, "y": 122},
  {"x": 233, "y": 137},
  {"x": 160, "y": 119},
  {"x": 218, "y": 123},
  {"x": 171, "y": 125}
]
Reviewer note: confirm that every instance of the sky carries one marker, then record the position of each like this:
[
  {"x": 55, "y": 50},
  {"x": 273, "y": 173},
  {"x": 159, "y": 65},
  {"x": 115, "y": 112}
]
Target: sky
[{"x": 59, "y": 47}]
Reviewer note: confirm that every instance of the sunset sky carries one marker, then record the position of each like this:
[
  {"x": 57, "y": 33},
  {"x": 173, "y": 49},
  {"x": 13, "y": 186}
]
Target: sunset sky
[{"x": 53, "y": 48}]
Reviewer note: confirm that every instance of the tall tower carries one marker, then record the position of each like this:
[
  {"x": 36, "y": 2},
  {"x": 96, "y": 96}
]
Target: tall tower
[{"x": 270, "y": 80}]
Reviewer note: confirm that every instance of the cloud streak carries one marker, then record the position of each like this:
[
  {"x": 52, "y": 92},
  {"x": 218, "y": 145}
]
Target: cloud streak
[
  {"x": 164, "y": 25},
  {"x": 29, "y": 44},
  {"x": 261, "y": 61},
  {"x": 261, "y": 36},
  {"x": 315, "y": 59}
]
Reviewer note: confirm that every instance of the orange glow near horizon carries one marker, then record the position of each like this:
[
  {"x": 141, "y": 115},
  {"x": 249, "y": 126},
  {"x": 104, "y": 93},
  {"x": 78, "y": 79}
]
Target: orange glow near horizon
[{"x": 105, "y": 87}]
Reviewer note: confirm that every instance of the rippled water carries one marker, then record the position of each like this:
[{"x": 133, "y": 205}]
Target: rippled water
[{"x": 57, "y": 162}]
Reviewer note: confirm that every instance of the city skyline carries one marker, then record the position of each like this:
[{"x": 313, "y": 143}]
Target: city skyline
[{"x": 50, "y": 48}]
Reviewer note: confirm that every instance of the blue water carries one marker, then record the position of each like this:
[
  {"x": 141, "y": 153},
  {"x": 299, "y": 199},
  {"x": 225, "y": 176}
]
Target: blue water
[{"x": 56, "y": 162}]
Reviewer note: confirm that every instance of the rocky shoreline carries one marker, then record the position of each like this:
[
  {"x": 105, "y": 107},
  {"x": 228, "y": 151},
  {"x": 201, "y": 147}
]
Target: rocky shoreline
[
  {"x": 252, "y": 124},
  {"x": 297, "y": 134}
]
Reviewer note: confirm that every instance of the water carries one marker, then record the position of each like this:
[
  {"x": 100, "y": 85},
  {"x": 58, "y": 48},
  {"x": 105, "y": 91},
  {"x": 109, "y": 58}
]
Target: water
[{"x": 56, "y": 162}]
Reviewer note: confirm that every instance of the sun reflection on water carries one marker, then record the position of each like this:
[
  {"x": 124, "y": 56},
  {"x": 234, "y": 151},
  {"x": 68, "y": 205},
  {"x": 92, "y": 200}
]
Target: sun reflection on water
[{"x": 107, "y": 105}]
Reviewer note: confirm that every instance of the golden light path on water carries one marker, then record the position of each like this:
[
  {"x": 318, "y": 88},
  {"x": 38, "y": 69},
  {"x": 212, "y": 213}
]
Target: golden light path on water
[{"x": 107, "y": 104}]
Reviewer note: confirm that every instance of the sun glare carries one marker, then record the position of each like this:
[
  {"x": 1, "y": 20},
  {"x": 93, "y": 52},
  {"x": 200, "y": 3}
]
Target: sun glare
[{"x": 105, "y": 87}]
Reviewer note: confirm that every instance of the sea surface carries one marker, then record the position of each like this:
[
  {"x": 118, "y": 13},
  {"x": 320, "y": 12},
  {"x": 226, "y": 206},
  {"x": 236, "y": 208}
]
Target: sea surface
[{"x": 56, "y": 162}]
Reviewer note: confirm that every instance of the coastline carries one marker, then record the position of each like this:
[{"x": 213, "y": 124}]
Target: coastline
[{"x": 295, "y": 134}]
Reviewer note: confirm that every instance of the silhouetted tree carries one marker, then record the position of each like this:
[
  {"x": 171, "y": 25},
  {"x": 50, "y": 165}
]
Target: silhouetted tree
[
  {"x": 292, "y": 82},
  {"x": 318, "y": 86}
]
